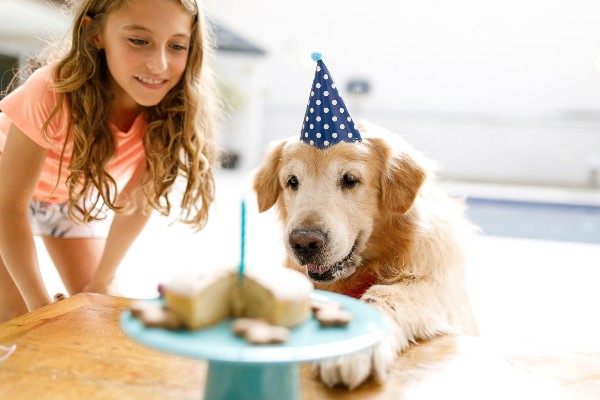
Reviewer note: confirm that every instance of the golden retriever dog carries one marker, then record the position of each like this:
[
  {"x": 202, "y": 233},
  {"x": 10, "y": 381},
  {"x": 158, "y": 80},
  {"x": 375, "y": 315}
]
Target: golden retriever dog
[{"x": 368, "y": 219}]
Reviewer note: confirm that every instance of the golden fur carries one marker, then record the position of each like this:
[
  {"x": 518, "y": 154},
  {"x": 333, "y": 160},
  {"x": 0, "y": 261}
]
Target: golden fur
[{"x": 368, "y": 219}]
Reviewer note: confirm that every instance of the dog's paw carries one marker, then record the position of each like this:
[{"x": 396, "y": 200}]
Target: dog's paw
[{"x": 353, "y": 369}]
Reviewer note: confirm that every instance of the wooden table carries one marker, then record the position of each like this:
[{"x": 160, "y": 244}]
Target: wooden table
[{"x": 74, "y": 349}]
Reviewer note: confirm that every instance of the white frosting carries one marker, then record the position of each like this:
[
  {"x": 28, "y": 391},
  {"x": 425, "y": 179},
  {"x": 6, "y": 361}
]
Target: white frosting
[
  {"x": 285, "y": 283},
  {"x": 190, "y": 283}
]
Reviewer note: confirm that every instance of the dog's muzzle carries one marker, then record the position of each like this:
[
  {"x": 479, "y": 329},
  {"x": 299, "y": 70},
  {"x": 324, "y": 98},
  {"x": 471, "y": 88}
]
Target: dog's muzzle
[
  {"x": 307, "y": 245},
  {"x": 328, "y": 272}
]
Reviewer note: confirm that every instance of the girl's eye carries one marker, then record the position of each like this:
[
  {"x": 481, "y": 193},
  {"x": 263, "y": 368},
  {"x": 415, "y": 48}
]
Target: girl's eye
[
  {"x": 179, "y": 47},
  {"x": 292, "y": 182},
  {"x": 349, "y": 181},
  {"x": 137, "y": 42}
]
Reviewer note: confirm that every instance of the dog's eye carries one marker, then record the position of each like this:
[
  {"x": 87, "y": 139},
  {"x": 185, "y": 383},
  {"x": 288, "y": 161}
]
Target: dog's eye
[
  {"x": 292, "y": 182},
  {"x": 349, "y": 181}
]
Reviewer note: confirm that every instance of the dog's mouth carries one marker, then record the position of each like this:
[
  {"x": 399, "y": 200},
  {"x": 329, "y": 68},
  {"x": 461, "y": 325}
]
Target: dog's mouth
[{"x": 324, "y": 273}]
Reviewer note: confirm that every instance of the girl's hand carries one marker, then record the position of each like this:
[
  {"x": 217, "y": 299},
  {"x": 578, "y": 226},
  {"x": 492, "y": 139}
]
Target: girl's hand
[{"x": 59, "y": 297}]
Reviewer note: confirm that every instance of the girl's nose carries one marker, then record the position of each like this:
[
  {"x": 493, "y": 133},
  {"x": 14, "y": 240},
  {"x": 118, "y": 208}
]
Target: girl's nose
[{"x": 157, "y": 62}]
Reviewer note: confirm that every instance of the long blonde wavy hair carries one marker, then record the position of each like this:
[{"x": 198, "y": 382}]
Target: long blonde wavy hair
[{"x": 179, "y": 140}]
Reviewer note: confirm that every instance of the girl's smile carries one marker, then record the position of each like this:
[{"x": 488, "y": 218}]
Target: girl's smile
[{"x": 152, "y": 83}]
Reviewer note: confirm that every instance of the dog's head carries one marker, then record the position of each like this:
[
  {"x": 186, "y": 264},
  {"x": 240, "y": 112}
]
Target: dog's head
[{"x": 331, "y": 201}]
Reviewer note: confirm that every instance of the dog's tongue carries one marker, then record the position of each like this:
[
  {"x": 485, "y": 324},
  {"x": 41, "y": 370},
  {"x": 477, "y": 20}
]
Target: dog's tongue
[{"x": 317, "y": 269}]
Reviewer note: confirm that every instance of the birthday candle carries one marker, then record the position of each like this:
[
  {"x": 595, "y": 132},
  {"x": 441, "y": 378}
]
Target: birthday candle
[{"x": 243, "y": 241}]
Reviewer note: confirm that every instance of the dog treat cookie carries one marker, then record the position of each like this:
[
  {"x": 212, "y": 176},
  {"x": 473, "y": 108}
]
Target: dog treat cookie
[
  {"x": 240, "y": 326},
  {"x": 331, "y": 314},
  {"x": 155, "y": 315},
  {"x": 267, "y": 334},
  {"x": 317, "y": 305},
  {"x": 258, "y": 331}
]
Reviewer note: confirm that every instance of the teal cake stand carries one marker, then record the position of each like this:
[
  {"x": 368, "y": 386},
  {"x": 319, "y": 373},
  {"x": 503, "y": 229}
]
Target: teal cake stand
[{"x": 240, "y": 371}]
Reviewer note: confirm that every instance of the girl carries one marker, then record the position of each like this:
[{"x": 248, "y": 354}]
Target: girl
[{"x": 106, "y": 128}]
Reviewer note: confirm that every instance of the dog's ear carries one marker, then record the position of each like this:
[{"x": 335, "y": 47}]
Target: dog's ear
[
  {"x": 401, "y": 180},
  {"x": 266, "y": 180}
]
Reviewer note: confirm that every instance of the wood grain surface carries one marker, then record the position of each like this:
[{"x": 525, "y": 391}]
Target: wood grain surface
[{"x": 75, "y": 349}]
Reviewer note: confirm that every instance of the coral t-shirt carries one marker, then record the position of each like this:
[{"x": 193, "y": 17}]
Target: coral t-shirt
[{"x": 28, "y": 108}]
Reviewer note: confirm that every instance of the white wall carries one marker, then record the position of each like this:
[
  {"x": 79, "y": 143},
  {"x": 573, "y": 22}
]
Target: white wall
[
  {"x": 26, "y": 25},
  {"x": 242, "y": 81},
  {"x": 496, "y": 90}
]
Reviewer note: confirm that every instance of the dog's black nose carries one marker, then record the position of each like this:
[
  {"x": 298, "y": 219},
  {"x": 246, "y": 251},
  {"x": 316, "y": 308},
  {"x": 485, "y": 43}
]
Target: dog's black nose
[{"x": 307, "y": 243}]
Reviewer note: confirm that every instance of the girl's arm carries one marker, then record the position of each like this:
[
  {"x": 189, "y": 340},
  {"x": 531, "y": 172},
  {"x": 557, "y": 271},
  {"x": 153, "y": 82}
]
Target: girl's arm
[
  {"x": 124, "y": 229},
  {"x": 20, "y": 169}
]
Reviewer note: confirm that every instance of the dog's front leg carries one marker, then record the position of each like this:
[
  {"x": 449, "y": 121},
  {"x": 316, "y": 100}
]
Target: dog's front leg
[
  {"x": 353, "y": 369},
  {"x": 413, "y": 311}
]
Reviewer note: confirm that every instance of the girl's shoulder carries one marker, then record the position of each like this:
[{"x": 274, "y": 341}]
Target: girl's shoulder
[
  {"x": 41, "y": 79},
  {"x": 30, "y": 105},
  {"x": 37, "y": 86}
]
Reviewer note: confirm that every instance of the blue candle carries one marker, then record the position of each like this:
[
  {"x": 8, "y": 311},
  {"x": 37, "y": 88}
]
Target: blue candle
[{"x": 243, "y": 242}]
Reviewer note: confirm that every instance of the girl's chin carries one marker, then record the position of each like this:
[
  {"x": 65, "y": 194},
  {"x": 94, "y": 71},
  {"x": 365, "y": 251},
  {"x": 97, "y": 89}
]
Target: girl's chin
[{"x": 149, "y": 101}]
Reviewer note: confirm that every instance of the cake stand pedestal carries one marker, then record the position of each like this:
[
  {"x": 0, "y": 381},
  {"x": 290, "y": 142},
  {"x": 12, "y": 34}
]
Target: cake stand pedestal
[
  {"x": 268, "y": 381},
  {"x": 238, "y": 370}
]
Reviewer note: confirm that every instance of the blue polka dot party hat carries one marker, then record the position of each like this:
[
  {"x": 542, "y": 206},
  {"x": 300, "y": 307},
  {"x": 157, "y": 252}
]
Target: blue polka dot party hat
[{"x": 327, "y": 120}]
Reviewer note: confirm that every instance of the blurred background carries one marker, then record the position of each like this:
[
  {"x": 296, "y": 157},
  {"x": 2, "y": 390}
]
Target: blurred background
[
  {"x": 497, "y": 91},
  {"x": 504, "y": 94}
]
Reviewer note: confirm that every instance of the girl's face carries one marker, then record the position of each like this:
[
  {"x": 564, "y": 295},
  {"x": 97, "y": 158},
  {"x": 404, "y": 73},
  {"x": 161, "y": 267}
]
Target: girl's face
[{"x": 146, "y": 45}]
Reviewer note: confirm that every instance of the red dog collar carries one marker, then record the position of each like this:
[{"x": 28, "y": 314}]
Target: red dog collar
[{"x": 358, "y": 290}]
